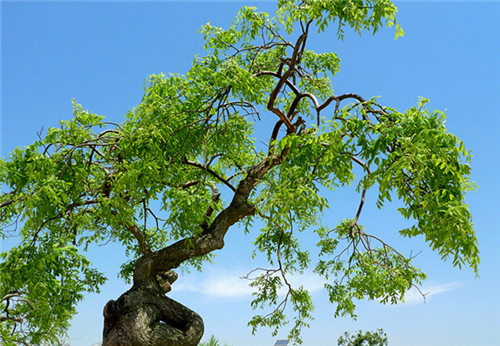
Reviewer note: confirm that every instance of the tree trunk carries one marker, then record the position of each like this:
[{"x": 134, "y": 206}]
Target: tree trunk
[{"x": 144, "y": 315}]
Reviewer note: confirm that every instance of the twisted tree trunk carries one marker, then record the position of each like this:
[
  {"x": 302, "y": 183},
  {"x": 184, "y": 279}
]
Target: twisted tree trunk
[{"x": 144, "y": 315}]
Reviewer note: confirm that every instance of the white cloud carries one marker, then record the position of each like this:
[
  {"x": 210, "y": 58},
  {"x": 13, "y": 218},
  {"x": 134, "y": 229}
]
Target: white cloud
[
  {"x": 414, "y": 297},
  {"x": 309, "y": 281},
  {"x": 230, "y": 284},
  {"x": 216, "y": 284},
  {"x": 227, "y": 286}
]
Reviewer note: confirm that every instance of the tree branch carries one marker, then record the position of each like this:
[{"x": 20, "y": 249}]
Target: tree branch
[
  {"x": 291, "y": 69},
  {"x": 213, "y": 238},
  {"x": 3, "y": 204},
  {"x": 141, "y": 238},
  {"x": 207, "y": 169}
]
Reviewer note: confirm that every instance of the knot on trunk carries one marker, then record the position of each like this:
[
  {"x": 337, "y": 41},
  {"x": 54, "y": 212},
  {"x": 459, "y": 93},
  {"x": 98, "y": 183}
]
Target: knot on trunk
[{"x": 166, "y": 279}]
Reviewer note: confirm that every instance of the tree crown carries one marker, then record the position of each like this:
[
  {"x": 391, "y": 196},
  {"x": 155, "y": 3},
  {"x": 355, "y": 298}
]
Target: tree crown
[{"x": 189, "y": 162}]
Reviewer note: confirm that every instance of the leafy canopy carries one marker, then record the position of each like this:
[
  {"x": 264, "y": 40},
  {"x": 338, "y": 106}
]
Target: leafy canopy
[
  {"x": 182, "y": 156},
  {"x": 377, "y": 338}
]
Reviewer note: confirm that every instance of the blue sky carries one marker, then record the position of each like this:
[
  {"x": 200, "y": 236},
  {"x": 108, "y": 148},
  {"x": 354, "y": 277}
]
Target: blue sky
[{"x": 101, "y": 53}]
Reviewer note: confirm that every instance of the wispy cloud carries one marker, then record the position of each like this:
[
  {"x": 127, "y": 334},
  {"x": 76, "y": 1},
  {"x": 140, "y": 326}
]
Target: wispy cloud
[
  {"x": 415, "y": 297},
  {"x": 230, "y": 284}
]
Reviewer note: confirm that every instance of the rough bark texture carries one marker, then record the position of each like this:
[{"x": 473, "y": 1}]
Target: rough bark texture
[{"x": 144, "y": 315}]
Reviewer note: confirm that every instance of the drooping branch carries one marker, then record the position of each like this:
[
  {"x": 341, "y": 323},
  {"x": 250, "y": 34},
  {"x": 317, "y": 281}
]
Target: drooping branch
[{"x": 363, "y": 193}]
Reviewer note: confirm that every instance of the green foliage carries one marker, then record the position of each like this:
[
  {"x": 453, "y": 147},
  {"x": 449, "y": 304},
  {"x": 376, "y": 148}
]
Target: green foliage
[
  {"x": 45, "y": 283},
  {"x": 360, "y": 15},
  {"x": 184, "y": 155},
  {"x": 377, "y": 338},
  {"x": 213, "y": 341}
]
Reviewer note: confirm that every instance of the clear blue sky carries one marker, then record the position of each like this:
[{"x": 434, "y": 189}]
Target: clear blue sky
[{"x": 101, "y": 53}]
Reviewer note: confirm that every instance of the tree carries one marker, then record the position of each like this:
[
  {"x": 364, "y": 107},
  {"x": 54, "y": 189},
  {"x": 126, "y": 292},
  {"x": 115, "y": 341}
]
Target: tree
[
  {"x": 184, "y": 167},
  {"x": 377, "y": 338},
  {"x": 213, "y": 341}
]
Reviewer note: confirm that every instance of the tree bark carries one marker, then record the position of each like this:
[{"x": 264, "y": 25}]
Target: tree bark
[{"x": 144, "y": 315}]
